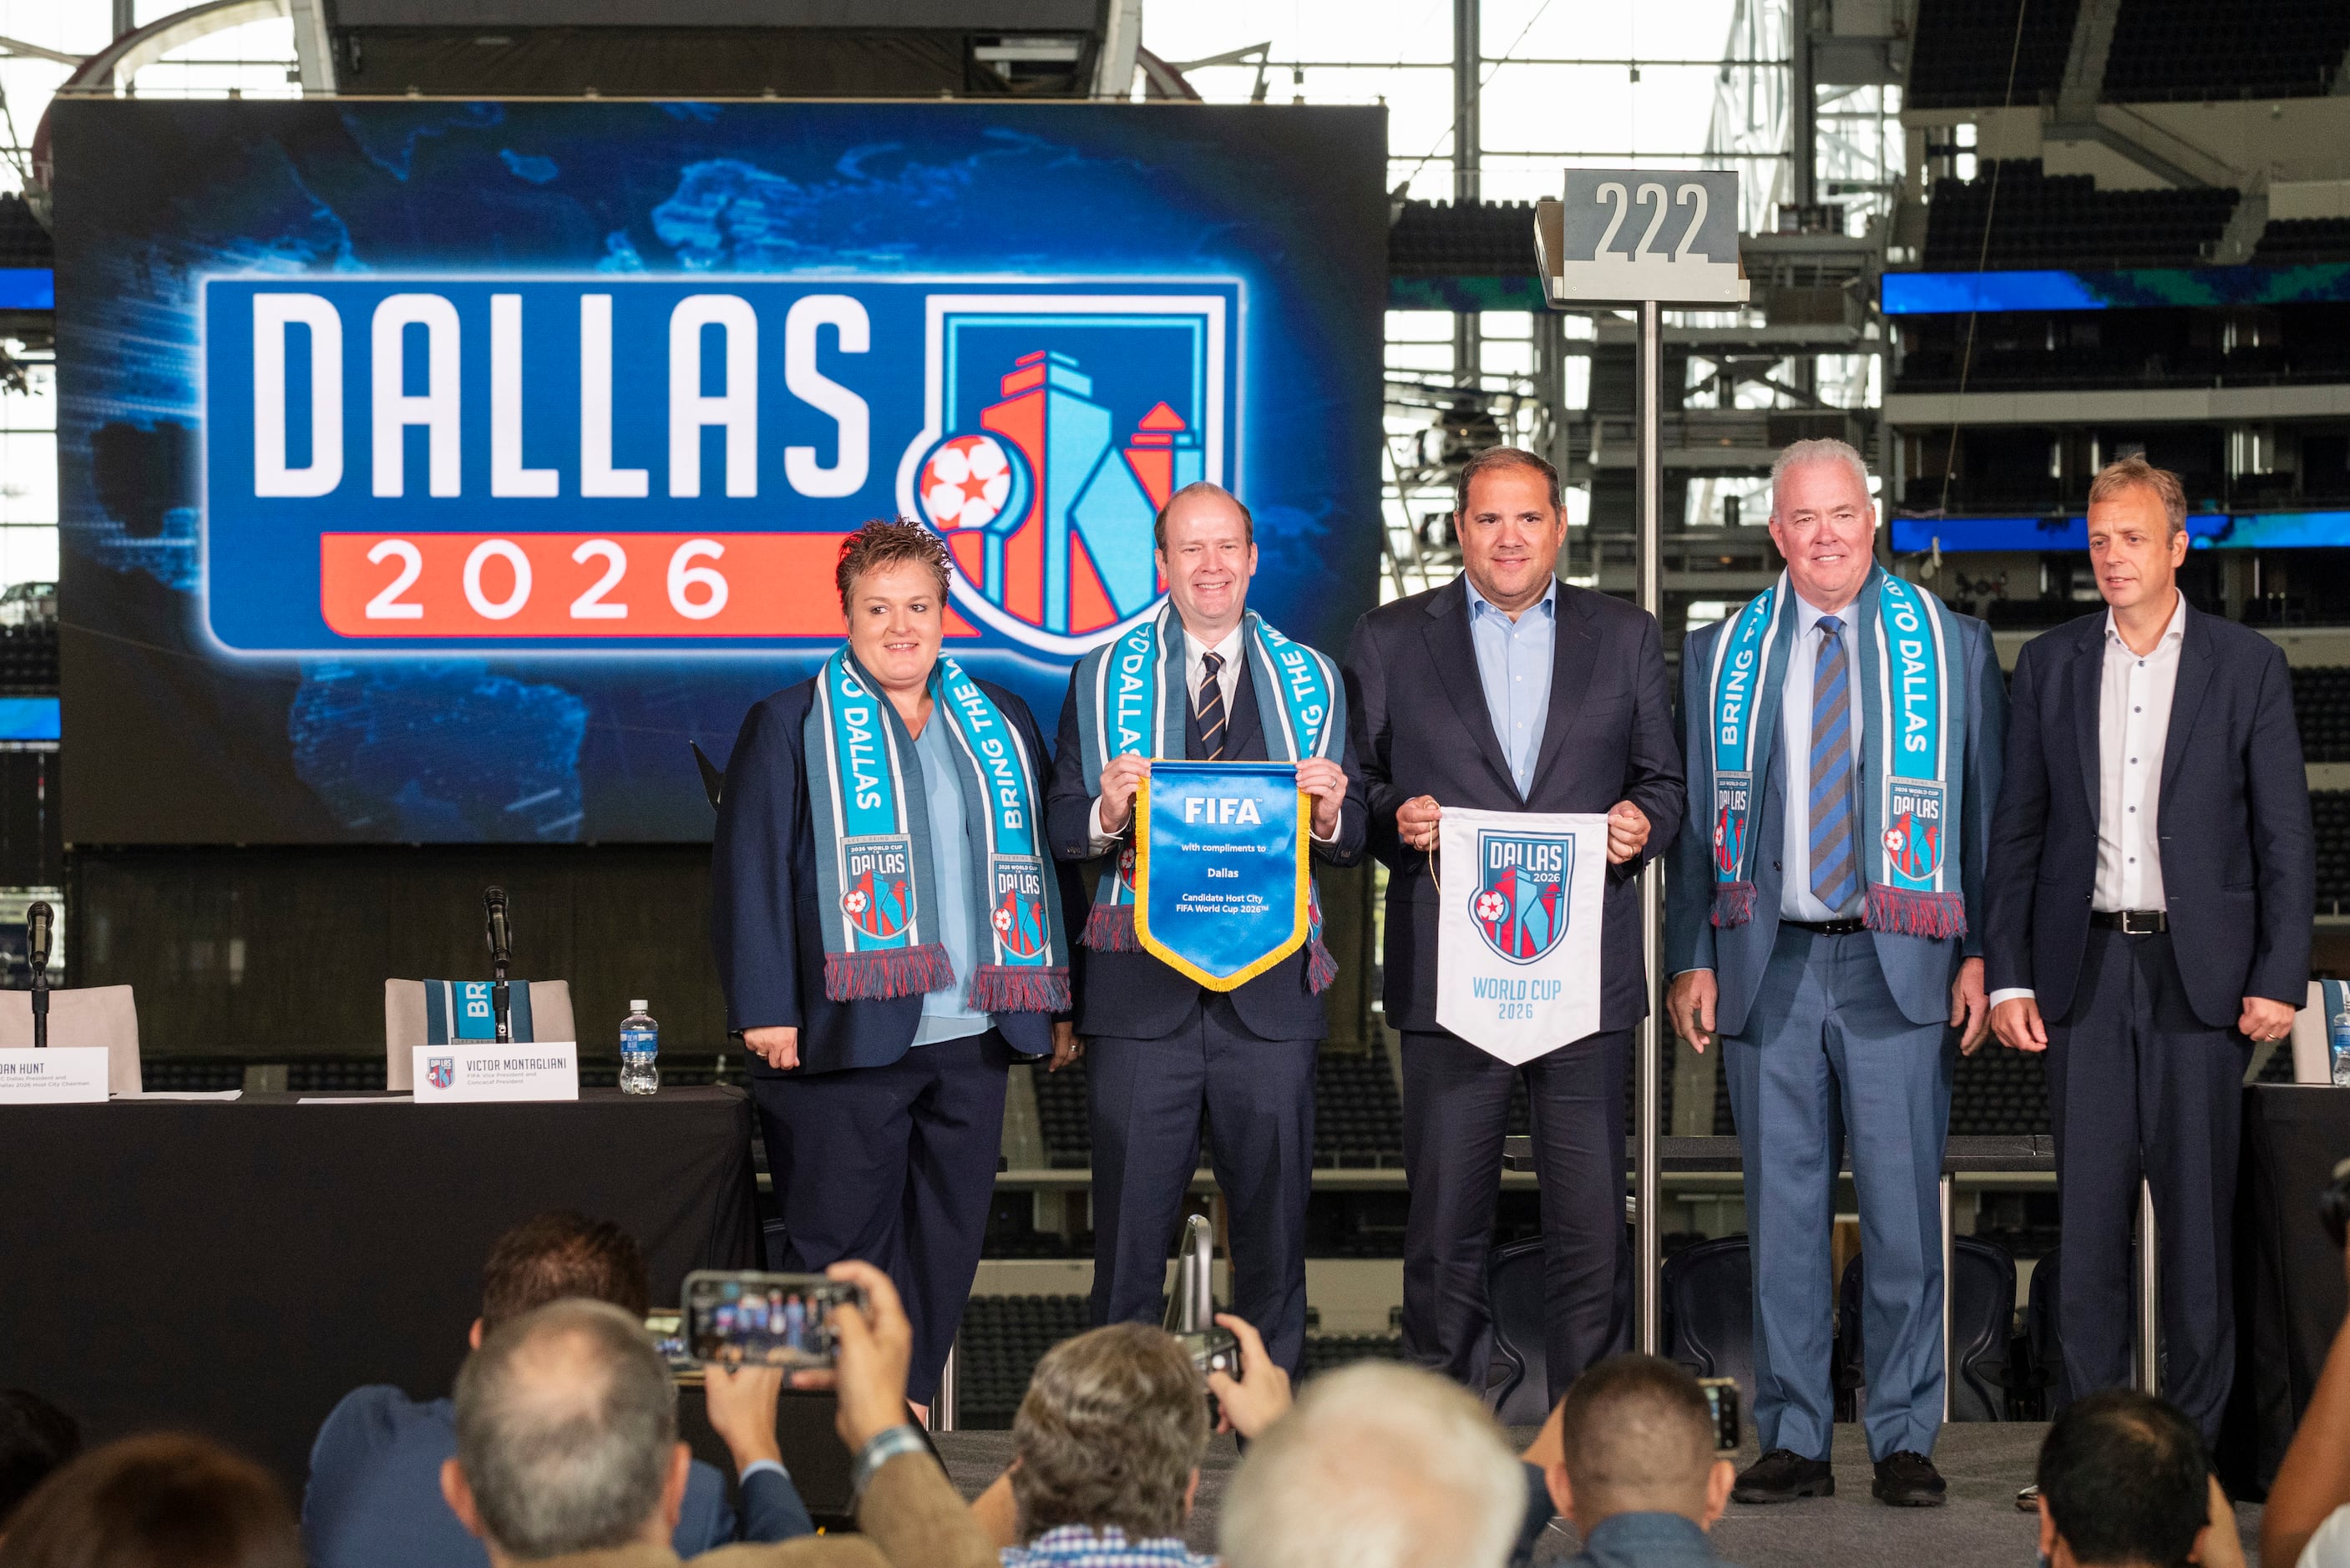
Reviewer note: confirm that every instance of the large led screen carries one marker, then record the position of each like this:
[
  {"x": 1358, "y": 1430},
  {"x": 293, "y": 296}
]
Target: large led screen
[{"x": 436, "y": 472}]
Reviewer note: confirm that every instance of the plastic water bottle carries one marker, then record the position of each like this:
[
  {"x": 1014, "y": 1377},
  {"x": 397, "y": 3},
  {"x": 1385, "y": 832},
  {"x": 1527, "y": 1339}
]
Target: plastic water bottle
[{"x": 640, "y": 1048}]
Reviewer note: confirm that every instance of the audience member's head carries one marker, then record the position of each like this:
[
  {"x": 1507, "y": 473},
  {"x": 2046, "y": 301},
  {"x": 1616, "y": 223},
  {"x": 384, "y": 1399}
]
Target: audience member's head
[
  {"x": 161, "y": 1501},
  {"x": 1636, "y": 1436},
  {"x": 567, "y": 1436},
  {"x": 1109, "y": 1435},
  {"x": 561, "y": 1254},
  {"x": 37, "y": 1438},
  {"x": 2124, "y": 1481},
  {"x": 1378, "y": 1466}
]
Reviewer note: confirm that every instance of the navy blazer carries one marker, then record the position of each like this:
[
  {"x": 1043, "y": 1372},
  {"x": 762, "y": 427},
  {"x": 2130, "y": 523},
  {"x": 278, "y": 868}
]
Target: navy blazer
[
  {"x": 1421, "y": 727},
  {"x": 762, "y": 902},
  {"x": 2239, "y": 862},
  {"x": 1134, "y": 996},
  {"x": 374, "y": 1494},
  {"x": 1918, "y": 969}
]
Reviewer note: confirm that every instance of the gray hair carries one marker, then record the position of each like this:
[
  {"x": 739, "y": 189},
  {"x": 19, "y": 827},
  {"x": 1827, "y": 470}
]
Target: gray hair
[
  {"x": 1378, "y": 1466},
  {"x": 566, "y": 1420},
  {"x": 1826, "y": 449},
  {"x": 1108, "y": 1434}
]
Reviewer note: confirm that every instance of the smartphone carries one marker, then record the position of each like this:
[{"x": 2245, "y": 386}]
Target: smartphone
[
  {"x": 668, "y": 1329},
  {"x": 752, "y": 1319},
  {"x": 1212, "y": 1350},
  {"x": 1721, "y": 1399}
]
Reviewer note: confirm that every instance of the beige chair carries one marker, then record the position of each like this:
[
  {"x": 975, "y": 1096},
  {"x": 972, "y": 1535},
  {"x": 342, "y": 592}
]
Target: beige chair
[
  {"x": 2310, "y": 1062},
  {"x": 403, "y": 1024},
  {"x": 94, "y": 1015}
]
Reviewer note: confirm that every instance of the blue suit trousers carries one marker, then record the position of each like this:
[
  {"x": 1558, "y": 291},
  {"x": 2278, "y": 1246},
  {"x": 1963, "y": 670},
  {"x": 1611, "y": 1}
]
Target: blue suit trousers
[{"x": 1827, "y": 1057}]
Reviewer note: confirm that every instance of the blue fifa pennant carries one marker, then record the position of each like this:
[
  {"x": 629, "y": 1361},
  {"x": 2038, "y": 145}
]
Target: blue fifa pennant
[
  {"x": 1221, "y": 868},
  {"x": 1521, "y": 900}
]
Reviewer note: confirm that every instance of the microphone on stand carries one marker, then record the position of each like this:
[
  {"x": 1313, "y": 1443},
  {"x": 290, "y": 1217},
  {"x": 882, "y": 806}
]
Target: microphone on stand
[
  {"x": 41, "y": 923},
  {"x": 493, "y": 904}
]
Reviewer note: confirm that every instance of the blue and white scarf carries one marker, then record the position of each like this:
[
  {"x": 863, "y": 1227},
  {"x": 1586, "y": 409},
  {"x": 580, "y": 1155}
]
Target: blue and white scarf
[
  {"x": 1913, "y": 720},
  {"x": 1132, "y": 702},
  {"x": 875, "y": 876}
]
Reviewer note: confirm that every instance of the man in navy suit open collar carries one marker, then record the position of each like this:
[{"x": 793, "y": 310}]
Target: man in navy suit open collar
[
  {"x": 2152, "y": 885},
  {"x": 1507, "y": 690}
]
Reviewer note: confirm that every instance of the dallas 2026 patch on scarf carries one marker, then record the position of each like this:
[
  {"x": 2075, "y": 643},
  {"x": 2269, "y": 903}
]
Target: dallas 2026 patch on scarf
[
  {"x": 1517, "y": 932},
  {"x": 875, "y": 872},
  {"x": 1132, "y": 702},
  {"x": 1913, "y": 720}
]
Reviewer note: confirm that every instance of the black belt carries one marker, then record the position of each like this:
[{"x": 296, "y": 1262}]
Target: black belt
[
  {"x": 2131, "y": 922},
  {"x": 1847, "y": 928}
]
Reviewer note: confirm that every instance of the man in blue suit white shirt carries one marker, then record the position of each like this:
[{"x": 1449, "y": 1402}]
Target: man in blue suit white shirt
[
  {"x": 1842, "y": 734},
  {"x": 2152, "y": 883}
]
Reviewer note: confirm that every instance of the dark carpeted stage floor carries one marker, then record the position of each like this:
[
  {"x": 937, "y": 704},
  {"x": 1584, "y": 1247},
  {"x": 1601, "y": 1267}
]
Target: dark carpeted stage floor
[{"x": 1979, "y": 1528}]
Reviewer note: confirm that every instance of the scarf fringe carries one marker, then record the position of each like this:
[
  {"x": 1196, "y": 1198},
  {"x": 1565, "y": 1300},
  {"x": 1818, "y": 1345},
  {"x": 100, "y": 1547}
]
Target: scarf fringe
[
  {"x": 1020, "y": 988},
  {"x": 1321, "y": 968},
  {"x": 1940, "y": 916},
  {"x": 1109, "y": 928},
  {"x": 891, "y": 972},
  {"x": 1733, "y": 904}
]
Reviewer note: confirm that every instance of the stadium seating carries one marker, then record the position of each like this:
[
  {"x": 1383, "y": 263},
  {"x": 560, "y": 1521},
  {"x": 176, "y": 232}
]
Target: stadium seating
[
  {"x": 2192, "y": 50},
  {"x": 2293, "y": 241},
  {"x": 2037, "y": 220},
  {"x": 1470, "y": 239},
  {"x": 2330, "y": 814},
  {"x": 1965, "y": 49}
]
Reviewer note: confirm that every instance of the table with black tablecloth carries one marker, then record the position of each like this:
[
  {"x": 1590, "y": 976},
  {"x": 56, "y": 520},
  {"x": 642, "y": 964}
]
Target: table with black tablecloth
[
  {"x": 236, "y": 1268},
  {"x": 2290, "y": 1292}
]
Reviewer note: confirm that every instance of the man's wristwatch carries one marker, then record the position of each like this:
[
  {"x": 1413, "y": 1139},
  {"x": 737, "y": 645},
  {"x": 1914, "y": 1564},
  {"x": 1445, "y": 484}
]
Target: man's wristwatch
[{"x": 880, "y": 1450}]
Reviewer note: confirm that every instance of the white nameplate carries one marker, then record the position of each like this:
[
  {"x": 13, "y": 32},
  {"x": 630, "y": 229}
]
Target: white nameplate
[
  {"x": 60, "y": 1076},
  {"x": 485, "y": 1070}
]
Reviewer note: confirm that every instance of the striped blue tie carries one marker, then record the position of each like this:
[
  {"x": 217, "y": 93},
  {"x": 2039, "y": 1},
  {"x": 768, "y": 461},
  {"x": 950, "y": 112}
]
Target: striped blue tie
[{"x": 1835, "y": 859}]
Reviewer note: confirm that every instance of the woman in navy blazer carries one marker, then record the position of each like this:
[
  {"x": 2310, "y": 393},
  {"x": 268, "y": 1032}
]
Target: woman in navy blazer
[{"x": 883, "y": 1116}]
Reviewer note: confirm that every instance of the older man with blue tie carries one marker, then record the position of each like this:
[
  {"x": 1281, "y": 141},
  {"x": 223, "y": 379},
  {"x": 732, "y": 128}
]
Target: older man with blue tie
[{"x": 1843, "y": 736}]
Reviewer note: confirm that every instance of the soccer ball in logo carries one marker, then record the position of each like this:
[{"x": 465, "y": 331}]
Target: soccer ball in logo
[
  {"x": 441, "y": 1071},
  {"x": 968, "y": 481},
  {"x": 1002, "y": 920},
  {"x": 1491, "y": 907}
]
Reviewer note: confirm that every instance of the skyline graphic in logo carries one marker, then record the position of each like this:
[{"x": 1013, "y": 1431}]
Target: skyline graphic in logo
[
  {"x": 1520, "y": 902},
  {"x": 1058, "y": 427}
]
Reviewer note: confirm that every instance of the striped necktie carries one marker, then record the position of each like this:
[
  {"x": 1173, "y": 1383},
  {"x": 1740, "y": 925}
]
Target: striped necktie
[
  {"x": 1210, "y": 707},
  {"x": 1835, "y": 857}
]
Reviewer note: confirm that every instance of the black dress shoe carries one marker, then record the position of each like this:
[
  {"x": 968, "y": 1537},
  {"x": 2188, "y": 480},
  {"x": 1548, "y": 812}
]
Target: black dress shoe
[
  {"x": 1783, "y": 1475},
  {"x": 1908, "y": 1480}
]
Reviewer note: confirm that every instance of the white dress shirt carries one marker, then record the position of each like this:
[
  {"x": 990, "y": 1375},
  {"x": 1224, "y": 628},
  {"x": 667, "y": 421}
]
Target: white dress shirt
[
  {"x": 1796, "y": 901},
  {"x": 2134, "y": 696},
  {"x": 1195, "y": 670}
]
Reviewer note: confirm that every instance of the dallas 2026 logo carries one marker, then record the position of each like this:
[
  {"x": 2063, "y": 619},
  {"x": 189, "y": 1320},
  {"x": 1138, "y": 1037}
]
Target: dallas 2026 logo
[
  {"x": 1521, "y": 903},
  {"x": 607, "y": 464}
]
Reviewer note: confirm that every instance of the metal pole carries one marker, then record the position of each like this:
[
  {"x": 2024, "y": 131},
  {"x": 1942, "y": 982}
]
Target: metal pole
[
  {"x": 1949, "y": 1248},
  {"x": 1468, "y": 153},
  {"x": 1652, "y": 886},
  {"x": 2149, "y": 1294},
  {"x": 943, "y": 1407}
]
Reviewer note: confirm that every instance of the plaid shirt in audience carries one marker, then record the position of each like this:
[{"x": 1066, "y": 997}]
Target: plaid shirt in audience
[{"x": 1075, "y": 1546}]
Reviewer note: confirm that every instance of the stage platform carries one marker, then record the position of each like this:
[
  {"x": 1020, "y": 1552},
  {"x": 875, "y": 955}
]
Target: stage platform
[{"x": 1980, "y": 1528}]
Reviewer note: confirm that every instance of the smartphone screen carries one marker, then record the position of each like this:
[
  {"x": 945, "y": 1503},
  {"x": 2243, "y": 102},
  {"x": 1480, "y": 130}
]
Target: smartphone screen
[
  {"x": 1722, "y": 1401},
  {"x": 761, "y": 1320}
]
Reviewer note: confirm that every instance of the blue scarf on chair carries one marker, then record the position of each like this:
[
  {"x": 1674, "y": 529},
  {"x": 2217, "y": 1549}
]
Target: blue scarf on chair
[
  {"x": 1913, "y": 719},
  {"x": 875, "y": 876},
  {"x": 1132, "y": 702}
]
